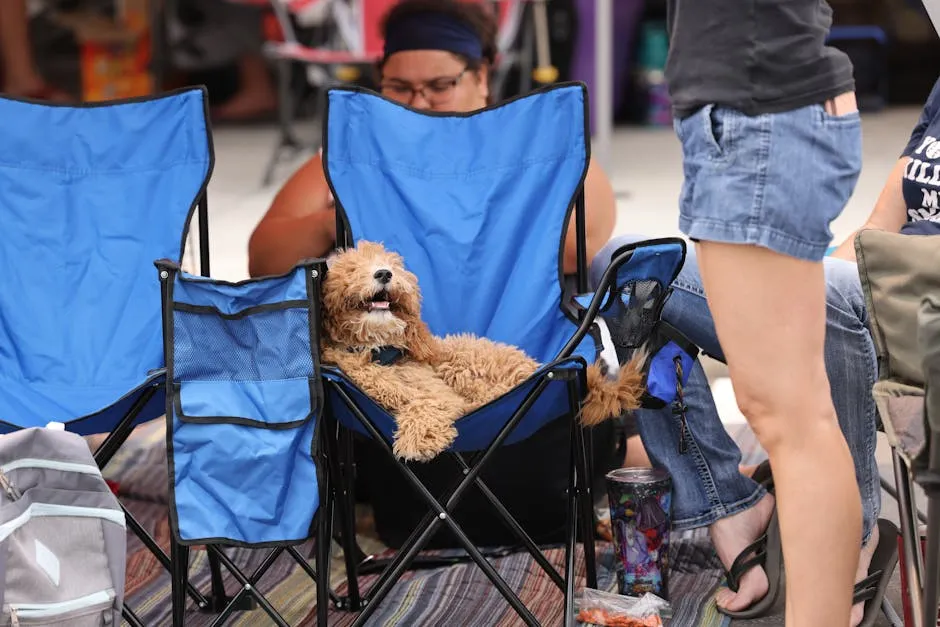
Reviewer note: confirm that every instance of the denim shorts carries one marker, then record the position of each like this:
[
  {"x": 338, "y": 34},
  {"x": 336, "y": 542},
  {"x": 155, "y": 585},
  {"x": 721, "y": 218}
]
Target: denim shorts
[{"x": 776, "y": 180}]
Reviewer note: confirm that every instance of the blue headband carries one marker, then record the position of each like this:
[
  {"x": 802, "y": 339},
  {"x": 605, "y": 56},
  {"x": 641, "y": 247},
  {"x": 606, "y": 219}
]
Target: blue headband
[{"x": 431, "y": 31}]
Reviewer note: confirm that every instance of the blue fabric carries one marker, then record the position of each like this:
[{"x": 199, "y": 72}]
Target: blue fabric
[
  {"x": 243, "y": 484},
  {"x": 268, "y": 403},
  {"x": 242, "y": 421},
  {"x": 849, "y": 33},
  {"x": 250, "y": 348},
  {"x": 661, "y": 381},
  {"x": 652, "y": 260},
  {"x": 476, "y": 430},
  {"x": 655, "y": 261},
  {"x": 476, "y": 204},
  {"x": 230, "y": 298},
  {"x": 90, "y": 196}
]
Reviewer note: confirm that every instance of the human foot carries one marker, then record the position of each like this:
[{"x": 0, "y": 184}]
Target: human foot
[
  {"x": 876, "y": 564},
  {"x": 731, "y": 536},
  {"x": 864, "y": 562}
]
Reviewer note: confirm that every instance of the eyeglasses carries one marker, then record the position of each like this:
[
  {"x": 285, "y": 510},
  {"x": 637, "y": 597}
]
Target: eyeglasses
[{"x": 435, "y": 92}]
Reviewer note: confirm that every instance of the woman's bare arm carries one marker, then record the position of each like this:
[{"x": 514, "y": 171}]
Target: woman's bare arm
[
  {"x": 889, "y": 214},
  {"x": 600, "y": 214},
  {"x": 300, "y": 224}
]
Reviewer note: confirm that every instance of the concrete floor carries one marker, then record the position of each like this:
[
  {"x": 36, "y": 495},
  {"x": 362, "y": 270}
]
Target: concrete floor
[{"x": 646, "y": 174}]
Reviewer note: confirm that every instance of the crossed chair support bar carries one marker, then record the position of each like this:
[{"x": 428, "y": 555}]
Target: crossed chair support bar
[
  {"x": 338, "y": 449},
  {"x": 579, "y": 490},
  {"x": 220, "y": 603}
]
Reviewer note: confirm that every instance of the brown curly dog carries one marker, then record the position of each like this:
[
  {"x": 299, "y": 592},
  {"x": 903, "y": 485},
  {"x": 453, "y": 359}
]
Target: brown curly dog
[{"x": 372, "y": 330}]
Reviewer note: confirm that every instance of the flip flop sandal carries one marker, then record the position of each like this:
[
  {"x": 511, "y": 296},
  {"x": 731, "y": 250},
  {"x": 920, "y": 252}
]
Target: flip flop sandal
[
  {"x": 872, "y": 588},
  {"x": 763, "y": 475},
  {"x": 766, "y": 551}
]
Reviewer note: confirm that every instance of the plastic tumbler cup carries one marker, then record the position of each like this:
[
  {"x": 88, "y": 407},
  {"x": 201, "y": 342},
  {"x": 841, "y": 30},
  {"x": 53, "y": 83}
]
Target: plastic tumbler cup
[{"x": 640, "y": 517}]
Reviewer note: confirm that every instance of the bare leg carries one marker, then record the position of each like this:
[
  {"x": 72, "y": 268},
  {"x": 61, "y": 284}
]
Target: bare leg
[
  {"x": 20, "y": 75},
  {"x": 769, "y": 313},
  {"x": 255, "y": 95},
  {"x": 636, "y": 456}
]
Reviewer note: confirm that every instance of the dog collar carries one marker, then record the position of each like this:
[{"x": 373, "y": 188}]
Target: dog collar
[{"x": 384, "y": 355}]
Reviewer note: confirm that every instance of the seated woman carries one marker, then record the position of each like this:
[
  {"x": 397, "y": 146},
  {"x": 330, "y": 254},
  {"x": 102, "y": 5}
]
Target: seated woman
[
  {"x": 710, "y": 490},
  {"x": 437, "y": 57}
]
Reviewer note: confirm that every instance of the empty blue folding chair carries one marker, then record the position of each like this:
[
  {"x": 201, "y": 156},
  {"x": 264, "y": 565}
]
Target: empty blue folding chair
[
  {"x": 478, "y": 206},
  {"x": 90, "y": 196},
  {"x": 243, "y": 406}
]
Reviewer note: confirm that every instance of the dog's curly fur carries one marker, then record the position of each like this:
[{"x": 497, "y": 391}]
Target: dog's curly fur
[{"x": 370, "y": 301}]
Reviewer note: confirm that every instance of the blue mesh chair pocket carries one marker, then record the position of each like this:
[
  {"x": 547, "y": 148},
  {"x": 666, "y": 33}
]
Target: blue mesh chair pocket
[
  {"x": 635, "y": 288},
  {"x": 242, "y": 417}
]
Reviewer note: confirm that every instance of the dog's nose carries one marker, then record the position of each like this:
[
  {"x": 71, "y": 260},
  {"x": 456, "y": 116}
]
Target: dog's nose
[{"x": 382, "y": 276}]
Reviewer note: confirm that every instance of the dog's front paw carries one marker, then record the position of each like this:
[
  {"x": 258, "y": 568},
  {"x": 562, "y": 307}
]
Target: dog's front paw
[{"x": 423, "y": 442}]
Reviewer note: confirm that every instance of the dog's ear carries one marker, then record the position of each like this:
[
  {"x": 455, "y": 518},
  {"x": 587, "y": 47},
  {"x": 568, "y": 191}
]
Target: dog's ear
[
  {"x": 419, "y": 340},
  {"x": 331, "y": 258}
]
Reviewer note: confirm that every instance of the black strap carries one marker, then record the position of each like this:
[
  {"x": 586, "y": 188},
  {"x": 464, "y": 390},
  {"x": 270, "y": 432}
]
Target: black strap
[
  {"x": 742, "y": 563},
  {"x": 387, "y": 355},
  {"x": 679, "y": 408},
  {"x": 867, "y": 588},
  {"x": 383, "y": 355}
]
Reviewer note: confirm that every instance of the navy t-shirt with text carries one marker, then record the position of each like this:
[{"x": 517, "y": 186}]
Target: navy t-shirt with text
[{"x": 921, "y": 183}]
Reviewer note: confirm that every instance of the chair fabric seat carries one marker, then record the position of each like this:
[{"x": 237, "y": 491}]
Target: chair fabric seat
[
  {"x": 90, "y": 197},
  {"x": 85, "y": 411},
  {"x": 476, "y": 430}
]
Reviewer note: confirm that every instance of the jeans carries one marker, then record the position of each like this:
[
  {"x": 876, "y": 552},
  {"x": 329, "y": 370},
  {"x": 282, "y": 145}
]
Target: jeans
[
  {"x": 776, "y": 180},
  {"x": 706, "y": 482}
]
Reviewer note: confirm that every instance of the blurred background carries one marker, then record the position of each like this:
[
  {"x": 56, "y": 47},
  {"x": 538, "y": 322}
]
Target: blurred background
[
  {"x": 267, "y": 63},
  {"x": 98, "y": 49}
]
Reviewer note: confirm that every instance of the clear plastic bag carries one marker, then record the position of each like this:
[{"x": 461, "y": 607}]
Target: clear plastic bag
[{"x": 613, "y": 610}]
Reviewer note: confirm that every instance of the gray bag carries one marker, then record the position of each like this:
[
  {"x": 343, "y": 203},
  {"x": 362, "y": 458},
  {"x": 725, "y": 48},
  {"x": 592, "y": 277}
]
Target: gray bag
[{"x": 62, "y": 534}]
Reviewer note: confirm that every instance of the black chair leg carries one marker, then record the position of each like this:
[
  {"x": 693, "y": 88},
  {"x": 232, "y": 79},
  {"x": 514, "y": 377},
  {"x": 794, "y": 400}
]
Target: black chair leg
[
  {"x": 179, "y": 577},
  {"x": 571, "y": 547},
  {"x": 571, "y": 544},
  {"x": 344, "y": 490},
  {"x": 931, "y": 574},
  {"x": 324, "y": 541},
  {"x": 932, "y": 551},
  {"x": 131, "y": 618},
  {"x": 909, "y": 534},
  {"x": 587, "y": 508},
  {"x": 219, "y": 597}
]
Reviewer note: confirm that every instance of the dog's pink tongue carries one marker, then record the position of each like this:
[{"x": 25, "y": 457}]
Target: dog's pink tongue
[{"x": 381, "y": 304}]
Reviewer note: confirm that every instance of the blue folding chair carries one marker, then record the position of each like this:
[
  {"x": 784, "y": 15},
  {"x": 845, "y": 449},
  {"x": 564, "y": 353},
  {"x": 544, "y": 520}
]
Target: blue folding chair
[
  {"x": 90, "y": 196},
  {"x": 478, "y": 206},
  {"x": 243, "y": 406}
]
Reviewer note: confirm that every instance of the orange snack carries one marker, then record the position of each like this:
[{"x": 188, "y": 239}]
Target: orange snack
[{"x": 600, "y": 616}]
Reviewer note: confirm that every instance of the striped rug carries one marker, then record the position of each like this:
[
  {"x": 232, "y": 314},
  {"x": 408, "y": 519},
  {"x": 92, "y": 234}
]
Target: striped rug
[{"x": 455, "y": 595}]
